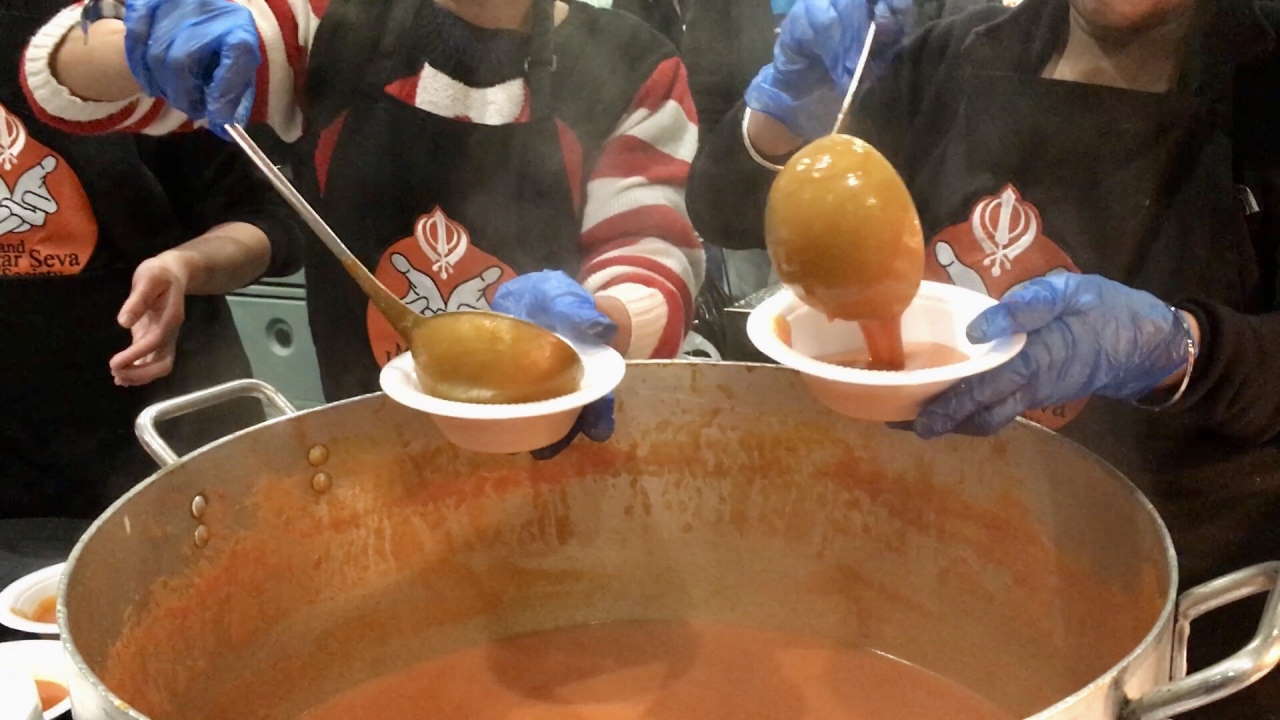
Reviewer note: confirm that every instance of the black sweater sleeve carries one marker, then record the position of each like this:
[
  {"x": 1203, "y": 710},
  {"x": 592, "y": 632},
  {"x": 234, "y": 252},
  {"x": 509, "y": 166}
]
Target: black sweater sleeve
[
  {"x": 1235, "y": 389},
  {"x": 209, "y": 182},
  {"x": 727, "y": 189}
]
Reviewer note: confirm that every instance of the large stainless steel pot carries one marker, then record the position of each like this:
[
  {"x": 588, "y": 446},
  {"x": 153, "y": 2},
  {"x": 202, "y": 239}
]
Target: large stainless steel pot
[{"x": 286, "y": 563}]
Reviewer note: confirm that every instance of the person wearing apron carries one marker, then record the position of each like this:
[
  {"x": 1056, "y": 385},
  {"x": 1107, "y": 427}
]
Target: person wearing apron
[
  {"x": 87, "y": 224},
  {"x": 457, "y": 147},
  {"x": 1093, "y": 164}
]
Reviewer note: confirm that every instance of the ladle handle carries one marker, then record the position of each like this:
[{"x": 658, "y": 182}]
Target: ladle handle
[
  {"x": 855, "y": 80},
  {"x": 400, "y": 316},
  {"x": 1188, "y": 692}
]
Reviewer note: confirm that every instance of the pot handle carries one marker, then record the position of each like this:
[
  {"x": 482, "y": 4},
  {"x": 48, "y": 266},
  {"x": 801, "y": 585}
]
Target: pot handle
[
  {"x": 1231, "y": 675},
  {"x": 145, "y": 426}
]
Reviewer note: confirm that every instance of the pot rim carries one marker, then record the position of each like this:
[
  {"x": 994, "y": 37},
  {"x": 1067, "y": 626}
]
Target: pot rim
[
  {"x": 1171, "y": 597},
  {"x": 1098, "y": 684}
]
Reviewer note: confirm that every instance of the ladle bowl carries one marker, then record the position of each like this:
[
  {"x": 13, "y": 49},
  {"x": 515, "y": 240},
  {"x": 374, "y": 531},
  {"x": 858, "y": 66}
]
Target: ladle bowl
[
  {"x": 493, "y": 428},
  {"x": 843, "y": 232},
  {"x": 470, "y": 357},
  {"x": 489, "y": 358}
]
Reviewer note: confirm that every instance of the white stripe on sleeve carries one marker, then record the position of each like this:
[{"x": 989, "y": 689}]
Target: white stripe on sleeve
[
  {"x": 666, "y": 128},
  {"x": 610, "y": 196},
  {"x": 283, "y": 112}
]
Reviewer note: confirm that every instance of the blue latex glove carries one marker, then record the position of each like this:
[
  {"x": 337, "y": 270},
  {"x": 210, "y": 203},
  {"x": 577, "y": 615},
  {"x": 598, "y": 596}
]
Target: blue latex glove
[
  {"x": 200, "y": 56},
  {"x": 595, "y": 421},
  {"x": 1086, "y": 335},
  {"x": 781, "y": 7},
  {"x": 814, "y": 59},
  {"x": 553, "y": 300},
  {"x": 894, "y": 19}
]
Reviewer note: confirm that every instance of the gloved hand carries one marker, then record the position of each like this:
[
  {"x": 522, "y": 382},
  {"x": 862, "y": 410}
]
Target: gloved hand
[
  {"x": 200, "y": 56},
  {"x": 814, "y": 59},
  {"x": 1086, "y": 335},
  {"x": 553, "y": 300}
]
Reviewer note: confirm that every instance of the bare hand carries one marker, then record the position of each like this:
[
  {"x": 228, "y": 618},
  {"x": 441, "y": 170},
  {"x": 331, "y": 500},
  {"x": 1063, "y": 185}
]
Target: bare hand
[{"x": 153, "y": 313}]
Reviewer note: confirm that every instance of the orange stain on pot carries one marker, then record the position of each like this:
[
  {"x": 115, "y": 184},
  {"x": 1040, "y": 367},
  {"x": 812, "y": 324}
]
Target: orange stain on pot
[{"x": 748, "y": 520}]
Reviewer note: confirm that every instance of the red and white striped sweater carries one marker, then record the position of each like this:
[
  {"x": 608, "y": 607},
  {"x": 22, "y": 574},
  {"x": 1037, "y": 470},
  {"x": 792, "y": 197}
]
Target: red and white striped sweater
[{"x": 628, "y": 164}]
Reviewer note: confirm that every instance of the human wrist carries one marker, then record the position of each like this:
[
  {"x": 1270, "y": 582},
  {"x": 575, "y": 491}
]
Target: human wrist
[
  {"x": 616, "y": 311},
  {"x": 770, "y": 137},
  {"x": 1170, "y": 392},
  {"x": 185, "y": 269},
  {"x": 1192, "y": 327},
  {"x": 94, "y": 67}
]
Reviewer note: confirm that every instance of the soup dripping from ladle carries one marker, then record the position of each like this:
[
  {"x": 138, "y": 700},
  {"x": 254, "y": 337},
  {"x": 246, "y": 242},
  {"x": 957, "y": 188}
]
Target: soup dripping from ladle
[{"x": 844, "y": 234}]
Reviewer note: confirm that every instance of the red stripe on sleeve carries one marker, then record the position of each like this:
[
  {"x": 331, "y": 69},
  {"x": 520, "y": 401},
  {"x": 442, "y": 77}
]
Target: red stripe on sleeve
[
  {"x": 325, "y": 146},
  {"x": 669, "y": 81},
  {"x": 660, "y": 221},
  {"x": 672, "y": 337},
  {"x": 608, "y": 247},
  {"x": 629, "y": 156},
  {"x": 147, "y": 118},
  {"x": 288, "y": 24},
  {"x": 294, "y": 53},
  {"x": 405, "y": 89},
  {"x": 571, "y": 149},
  {"x": 648, "y": 264},
  {"x": 262, "y": 85}
]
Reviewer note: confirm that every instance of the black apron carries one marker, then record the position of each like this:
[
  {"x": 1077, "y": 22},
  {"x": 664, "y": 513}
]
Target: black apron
[
  {"x": 1038, "y": 176},
  {"x": 62, "y": 413},
  {"x": 67, "y": 446},
  {"x": 505, "y": 186}
]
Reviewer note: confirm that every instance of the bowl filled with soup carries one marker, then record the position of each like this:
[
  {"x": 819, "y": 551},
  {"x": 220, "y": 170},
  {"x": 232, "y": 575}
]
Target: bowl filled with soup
[
  {"x": 39, "y": 668},
  {"x": 30, "y": 603},
  {"x": 841, "y": 371}
]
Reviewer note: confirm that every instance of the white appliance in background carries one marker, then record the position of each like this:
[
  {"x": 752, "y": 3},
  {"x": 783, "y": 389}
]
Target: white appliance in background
[{"x": 271, "y": 318}]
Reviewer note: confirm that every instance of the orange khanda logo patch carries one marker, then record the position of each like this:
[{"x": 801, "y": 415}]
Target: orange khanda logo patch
[
  {"x": 437, "y": 269},
  {"x": 1000, "y": 245},
  {"x": 47, "y": 226}
]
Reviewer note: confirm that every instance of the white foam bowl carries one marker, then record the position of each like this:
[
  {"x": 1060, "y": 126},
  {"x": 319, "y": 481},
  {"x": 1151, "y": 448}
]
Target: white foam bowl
[
  {"x": 22, "y": 596},
  {"x": 939, "y": 313},
  {"x": 18, "y": 699},
  {"x": 42, "y": 659},
  {"x": 514, "y": 428}
]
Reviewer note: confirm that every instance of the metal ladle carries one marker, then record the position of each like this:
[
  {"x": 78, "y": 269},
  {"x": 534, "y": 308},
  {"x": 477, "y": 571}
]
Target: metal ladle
[{"x": 467, "y": 356}]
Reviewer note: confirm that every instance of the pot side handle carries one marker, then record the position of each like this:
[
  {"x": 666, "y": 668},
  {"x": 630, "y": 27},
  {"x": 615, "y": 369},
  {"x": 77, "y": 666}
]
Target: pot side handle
[
  {"x": 1186, "y": 693},
  {"x": 145, "y": 426}
]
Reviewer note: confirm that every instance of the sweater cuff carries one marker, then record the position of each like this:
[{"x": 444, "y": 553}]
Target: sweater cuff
[
  {"x": 1232, "y": 389},
  {"x": 647, "y": 309},
  {"x": 282, "y": 235},
  {"x": 1205, "y": 367},
  {"x": 50, "y": 97}
]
